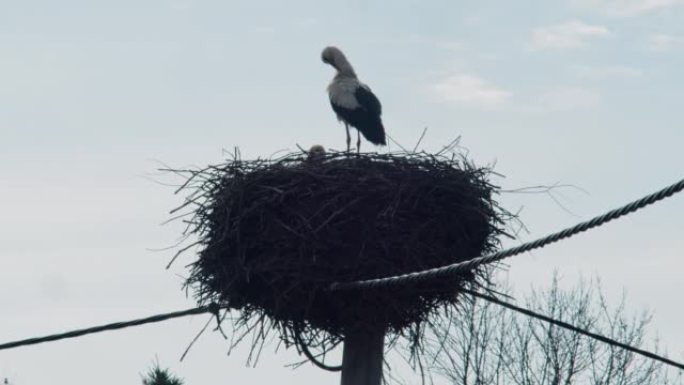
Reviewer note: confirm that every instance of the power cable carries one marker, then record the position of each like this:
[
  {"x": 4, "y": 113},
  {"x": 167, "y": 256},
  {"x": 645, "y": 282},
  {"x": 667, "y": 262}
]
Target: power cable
[
  {"x": 575, "y": 329},
  {"x": 211, "y": 308}
]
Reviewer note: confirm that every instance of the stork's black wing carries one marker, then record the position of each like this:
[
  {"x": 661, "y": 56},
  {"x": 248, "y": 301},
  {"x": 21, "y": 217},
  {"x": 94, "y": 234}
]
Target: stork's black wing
[
  {"x": 365, "y": 117},
  {"x": 368, "y": 100}
]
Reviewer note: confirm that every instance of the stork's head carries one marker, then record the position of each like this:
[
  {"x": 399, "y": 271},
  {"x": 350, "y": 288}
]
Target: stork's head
[{"x": 332, "y": 55}]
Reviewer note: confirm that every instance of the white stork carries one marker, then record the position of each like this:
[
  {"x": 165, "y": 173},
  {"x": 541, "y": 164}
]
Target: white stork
[{"x": 353, "y": 101}]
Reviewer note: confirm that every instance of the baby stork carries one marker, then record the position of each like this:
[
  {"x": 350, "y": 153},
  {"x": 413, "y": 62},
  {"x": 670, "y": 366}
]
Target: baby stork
[{"x": 353, "y": 101}]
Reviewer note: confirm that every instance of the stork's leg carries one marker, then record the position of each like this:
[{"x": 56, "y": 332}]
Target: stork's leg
[
  {"x": 346, "y": 126},
  {"x": 358, "y": 141}
]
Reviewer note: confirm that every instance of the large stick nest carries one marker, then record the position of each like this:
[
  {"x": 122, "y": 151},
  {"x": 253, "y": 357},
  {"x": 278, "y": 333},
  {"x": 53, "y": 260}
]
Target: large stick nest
[{"x": 274, "y": 234}]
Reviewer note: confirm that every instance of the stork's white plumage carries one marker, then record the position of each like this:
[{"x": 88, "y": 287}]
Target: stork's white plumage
[{"x": 353, "y": 102}]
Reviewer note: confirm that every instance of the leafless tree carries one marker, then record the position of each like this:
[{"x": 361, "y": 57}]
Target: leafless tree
[{"x": 490, "y": 345}]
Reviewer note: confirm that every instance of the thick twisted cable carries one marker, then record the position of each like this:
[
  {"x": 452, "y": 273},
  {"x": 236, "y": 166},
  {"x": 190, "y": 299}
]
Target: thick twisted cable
[
  {"x": 455, "y": 269},
  {"x": 212, "y": 308}
]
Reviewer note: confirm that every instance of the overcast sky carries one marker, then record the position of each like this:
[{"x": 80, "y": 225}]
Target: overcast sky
[{"x": 94, "y": 94}]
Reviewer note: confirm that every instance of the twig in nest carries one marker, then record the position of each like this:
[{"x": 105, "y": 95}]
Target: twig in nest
[
  {"x": 420, "y": 139},
  {"x": 311, "y": 357}
]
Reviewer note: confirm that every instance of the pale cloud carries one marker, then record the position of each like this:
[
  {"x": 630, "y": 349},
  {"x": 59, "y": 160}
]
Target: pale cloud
[
  {"x": 628, "y": 8},
  {"x": 469, "y": 90},
  {"x": 590, "y": 72},
  {"x": 566, "y": 98},
  {"x": 568, "y": 35},
  {"x": 664, "y": 43}
]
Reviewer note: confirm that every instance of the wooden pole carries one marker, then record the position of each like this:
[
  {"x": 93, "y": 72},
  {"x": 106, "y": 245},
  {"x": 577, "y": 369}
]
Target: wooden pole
[{"x": 362, "y": 357}]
